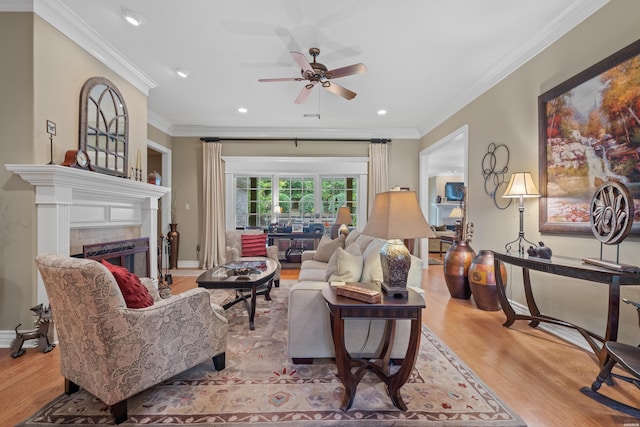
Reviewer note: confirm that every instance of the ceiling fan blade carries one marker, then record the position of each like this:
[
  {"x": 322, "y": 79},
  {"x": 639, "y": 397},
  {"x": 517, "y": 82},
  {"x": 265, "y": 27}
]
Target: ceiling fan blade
[
  {"x": 284, "y": 79},
  {"x": 339, "y": 90},
  {"x": 346, "y": 71},
  {"x": 303, "y": 62},
  {"x": 304, "y": 94}
]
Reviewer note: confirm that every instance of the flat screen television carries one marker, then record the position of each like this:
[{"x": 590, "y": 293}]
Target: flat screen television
[{"x": 453, "y": 191}]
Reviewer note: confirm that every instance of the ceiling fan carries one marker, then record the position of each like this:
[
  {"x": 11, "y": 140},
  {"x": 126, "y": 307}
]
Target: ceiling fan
[{"x": 315, "y": 72}]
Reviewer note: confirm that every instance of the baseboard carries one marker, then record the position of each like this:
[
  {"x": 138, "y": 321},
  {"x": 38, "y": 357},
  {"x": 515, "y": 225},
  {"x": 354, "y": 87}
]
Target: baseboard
[
  {"x": 570, "y": 335},
  {"x": 189, "y": 264},
  {"x": 7, "y": 337}
]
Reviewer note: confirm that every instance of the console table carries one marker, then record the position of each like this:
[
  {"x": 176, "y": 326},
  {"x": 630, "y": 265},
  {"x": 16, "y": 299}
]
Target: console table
[
  {"x": 568, "y": 267},
  {"x": 298, "y": 241}
]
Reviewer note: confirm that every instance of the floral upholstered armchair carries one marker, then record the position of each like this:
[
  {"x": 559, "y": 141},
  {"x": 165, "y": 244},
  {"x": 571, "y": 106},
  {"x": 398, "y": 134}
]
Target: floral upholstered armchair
[
  {"x": 251, "y": 245},
  {"x": 115, "y": 352}
]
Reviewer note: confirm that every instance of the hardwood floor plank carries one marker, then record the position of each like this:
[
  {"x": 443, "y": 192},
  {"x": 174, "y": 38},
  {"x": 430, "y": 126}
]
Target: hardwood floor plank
[{"x": 535, "y": 373}]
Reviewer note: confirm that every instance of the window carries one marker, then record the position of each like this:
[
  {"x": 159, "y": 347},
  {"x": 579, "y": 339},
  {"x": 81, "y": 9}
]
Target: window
[
  {"x": 336, "y": 192},
  {"x": 253, "y": 201},
  {"x": 300, "y": 198},
  {"x": 296, "y": 198},
  {"x": 306, "y": 189}
]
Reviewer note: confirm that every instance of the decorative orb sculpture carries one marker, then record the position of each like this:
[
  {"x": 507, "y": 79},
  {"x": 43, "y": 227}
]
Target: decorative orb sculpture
[{"x": 611, "y": 213}]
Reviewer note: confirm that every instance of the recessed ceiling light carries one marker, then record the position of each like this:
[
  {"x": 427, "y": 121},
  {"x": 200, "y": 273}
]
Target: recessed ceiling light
[
  {"x": 382, "y": 112},
  {"x": 182, "y": 73},
  {"x": 133, "y": 18},
  {"x": 242, "y": 110}
]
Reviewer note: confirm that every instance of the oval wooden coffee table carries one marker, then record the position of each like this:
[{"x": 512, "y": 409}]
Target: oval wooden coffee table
[{"x": 257, "y": 281}]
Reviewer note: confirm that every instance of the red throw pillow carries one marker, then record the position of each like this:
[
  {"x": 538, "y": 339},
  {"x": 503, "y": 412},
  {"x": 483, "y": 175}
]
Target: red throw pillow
[
  {"x": 254, "y": 244},
  {"x": 135, "y": 294}
]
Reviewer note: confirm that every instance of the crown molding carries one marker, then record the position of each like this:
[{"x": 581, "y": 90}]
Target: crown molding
[
  {"x": 58, "y": 15},
  {"x": 281, "y": 132},
  {"x": 160, "y": 123},
  {"x": 547, "y": 35}
]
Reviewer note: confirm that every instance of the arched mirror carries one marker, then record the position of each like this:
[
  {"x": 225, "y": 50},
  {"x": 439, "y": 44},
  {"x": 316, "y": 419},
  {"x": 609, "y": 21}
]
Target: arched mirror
[{"x": 104, "y": 126}]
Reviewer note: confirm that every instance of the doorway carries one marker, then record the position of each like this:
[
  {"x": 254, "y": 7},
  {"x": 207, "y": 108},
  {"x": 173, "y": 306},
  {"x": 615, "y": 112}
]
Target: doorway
[
  {"x": 448, "y": 156},
  {"x": 159, "y": 160}
]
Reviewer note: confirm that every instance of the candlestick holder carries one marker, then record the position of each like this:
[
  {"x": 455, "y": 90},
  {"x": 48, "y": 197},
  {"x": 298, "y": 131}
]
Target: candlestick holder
[{"x": 51, "y": 130}]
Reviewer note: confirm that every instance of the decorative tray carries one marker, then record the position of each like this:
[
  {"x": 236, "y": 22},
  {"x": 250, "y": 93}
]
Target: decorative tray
[{"x": 243, "y": 271}]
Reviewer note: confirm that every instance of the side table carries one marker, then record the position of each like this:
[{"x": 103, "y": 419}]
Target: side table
[{"x": 390, "y": 309}]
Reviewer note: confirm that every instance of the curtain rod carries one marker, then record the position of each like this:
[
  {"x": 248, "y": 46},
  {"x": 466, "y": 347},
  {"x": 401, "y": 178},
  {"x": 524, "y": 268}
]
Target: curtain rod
[{"x": 296, "y": 140}]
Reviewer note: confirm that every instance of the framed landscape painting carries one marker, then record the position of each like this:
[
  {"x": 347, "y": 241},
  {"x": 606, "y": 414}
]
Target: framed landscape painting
[{"x": 589, "y": 133}]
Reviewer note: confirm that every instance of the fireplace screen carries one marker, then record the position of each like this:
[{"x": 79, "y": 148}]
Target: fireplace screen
[{"x": 133, "y": 254}]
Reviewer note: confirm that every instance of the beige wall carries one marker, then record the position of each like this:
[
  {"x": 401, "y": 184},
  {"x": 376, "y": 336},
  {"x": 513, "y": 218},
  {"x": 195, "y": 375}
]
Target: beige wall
[
  {"x": 187, "y": 172},
  {"x": 17, "y": 276},
  {"x": 507, "y": 114},
  {"x": 42, "y": 73},
  {"x": 156, "y": 135}
]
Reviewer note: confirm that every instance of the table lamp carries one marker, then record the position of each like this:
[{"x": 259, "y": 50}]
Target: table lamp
[
  {"x": 343, "y": 219},
  {"x": 396, "y": 216},
  {"x": 520, "y": 186},
  {"x": 458, "y": 214}
]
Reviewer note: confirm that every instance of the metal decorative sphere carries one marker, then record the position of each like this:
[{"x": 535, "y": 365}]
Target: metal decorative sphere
[{"x": 611, "y": 213}]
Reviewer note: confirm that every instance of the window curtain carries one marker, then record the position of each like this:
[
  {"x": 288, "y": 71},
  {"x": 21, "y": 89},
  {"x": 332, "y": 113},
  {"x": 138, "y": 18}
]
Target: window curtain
[
  {"x": 378, "y": 171},
  {"x": 213, "y": 205}
]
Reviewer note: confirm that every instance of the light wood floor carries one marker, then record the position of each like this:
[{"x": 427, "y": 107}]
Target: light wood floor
[{"x": 534, "y": 373}]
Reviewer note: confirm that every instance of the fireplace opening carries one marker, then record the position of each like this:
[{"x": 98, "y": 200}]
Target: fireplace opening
[{"x": 133, "y": 254}]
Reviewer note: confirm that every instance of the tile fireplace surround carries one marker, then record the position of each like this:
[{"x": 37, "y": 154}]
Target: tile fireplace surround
[{"x": 72, "y": 199}]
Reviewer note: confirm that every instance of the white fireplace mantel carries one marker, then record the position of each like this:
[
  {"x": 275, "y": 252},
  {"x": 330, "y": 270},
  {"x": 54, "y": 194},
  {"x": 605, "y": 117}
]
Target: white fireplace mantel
[{"x": 69, "y": 198}]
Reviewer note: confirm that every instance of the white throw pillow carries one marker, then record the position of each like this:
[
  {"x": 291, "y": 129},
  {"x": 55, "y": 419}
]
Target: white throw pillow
[
  {"x": 345, "y": 265},
  {"x": 364, "y": 241},
  {"x": 327, "y": 247},
  {"x": 351, "y": 237},
  {"x": 372, "y": 268}
]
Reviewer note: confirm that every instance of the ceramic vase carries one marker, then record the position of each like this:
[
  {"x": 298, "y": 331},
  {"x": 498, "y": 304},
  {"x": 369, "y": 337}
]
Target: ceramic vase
[
  {"x": 457, "y": 261},
  {"x": 482, "y": 280},
  {"x": 173, "y": 236}
]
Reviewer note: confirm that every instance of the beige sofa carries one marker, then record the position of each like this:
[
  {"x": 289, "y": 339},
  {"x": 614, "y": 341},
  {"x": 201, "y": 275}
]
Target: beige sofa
[
  {"x": 434, "y": 243},
  {"x": 309, "y": 326}
]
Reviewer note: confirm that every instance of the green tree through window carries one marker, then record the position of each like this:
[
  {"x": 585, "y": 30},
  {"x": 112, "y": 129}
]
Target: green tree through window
[{"x": 306, "y": 199}]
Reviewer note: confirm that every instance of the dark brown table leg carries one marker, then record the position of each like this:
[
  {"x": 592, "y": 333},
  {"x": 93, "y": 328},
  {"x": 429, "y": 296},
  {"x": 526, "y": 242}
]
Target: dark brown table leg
[
  {"x": 397, "y": 380},
  {"x": 531, "y": 302},
  {"x": 613, "y": 315},
  {"x": 267, "y": 292},
  {"x": 502, "y": 297},
  {"x": 252, "y": 311},
  {"x": 343, "y": 360}
]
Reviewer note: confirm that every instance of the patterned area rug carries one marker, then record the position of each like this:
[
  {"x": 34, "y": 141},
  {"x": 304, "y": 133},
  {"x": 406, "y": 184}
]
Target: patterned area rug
[{"x": 260, "y": 386}]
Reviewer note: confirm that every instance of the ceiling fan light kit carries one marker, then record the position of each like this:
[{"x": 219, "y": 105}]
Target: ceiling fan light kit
[{"x": 315, "y": 72}]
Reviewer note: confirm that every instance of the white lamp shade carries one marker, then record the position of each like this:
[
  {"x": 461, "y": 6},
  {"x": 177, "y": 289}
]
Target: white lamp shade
[
  {"x": 456, "y": 212},
  {"x": 521, "y": 185}
]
